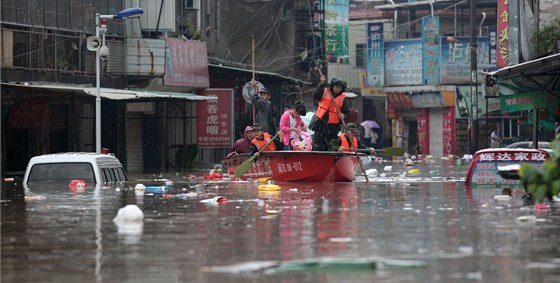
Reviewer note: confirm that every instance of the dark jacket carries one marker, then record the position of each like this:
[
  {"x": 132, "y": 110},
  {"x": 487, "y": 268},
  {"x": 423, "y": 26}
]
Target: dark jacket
[{"x": 266, "y": 114}]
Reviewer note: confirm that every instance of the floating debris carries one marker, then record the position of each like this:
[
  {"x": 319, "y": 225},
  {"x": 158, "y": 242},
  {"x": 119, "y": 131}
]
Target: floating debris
[
  {"x": 502, "y": 198},
  {"x": 526, "y": 219},
  {"x": 269, "y": 187},
  {"x": 215, "y": 200}
]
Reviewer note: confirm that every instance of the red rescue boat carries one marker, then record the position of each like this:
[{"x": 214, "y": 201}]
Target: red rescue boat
[{"x": 299, "y": 166}]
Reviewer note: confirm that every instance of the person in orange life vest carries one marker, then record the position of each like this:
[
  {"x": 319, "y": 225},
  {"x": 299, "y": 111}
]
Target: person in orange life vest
[
  {"x": 292, "y": 125},
  {"x": 354, "y": 134},
  {"x": 260, "y": 140},
  {"x": 243, "y": 144},
  {"x": 327, "y": 121}
]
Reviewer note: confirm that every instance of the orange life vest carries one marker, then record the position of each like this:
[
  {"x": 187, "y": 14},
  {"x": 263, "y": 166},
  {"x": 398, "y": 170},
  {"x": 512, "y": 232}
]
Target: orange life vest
[
  {"x": 261, "y": 143},
  {"x": 345, "y": 144},
  {"x": 326, "y": 105}
]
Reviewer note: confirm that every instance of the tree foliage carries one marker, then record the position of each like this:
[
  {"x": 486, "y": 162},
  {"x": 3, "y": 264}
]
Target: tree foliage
[
  {"x": 543, "y": 183},
  {"x": 546, "y": 38}
]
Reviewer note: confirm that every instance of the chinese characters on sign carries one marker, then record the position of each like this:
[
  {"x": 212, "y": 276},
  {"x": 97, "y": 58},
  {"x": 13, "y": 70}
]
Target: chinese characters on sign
[
  {"x": 455, "y": 59},
  {"x": 186, "y": 63},
  {"x": 503, "y": 38},
  {"x": 487, "y": 165},
  {"x": 290, "y": 167},
  {"x": 403, "y": 62},
  {"x": 430, "y": 45},
  {"x": 516, "y": 156},
  {"x": 336, "y": 31},
  {"x": 214, "y": 119},
  {"x": 423, "y": 131},
  {"x": 448, "y": 130},
  {"x": 375, "y": 55}
]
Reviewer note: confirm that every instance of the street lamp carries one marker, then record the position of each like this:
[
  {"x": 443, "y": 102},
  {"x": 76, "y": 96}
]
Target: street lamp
[
  {"x": 101, "y": 50},
  {"x": 474, "y": 80}
]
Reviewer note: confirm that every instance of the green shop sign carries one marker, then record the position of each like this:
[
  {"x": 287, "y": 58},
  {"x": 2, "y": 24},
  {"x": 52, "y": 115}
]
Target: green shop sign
[{"x": 528, "y": 101}]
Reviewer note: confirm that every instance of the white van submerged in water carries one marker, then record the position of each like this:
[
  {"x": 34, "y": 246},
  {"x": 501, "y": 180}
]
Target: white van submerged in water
[{"x": 70, "y": 168}]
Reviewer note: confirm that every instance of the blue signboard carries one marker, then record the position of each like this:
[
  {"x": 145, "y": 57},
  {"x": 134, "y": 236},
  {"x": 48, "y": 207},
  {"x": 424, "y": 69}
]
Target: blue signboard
[
  {"x": 455, "y": 64},
  {"x": 403, "y": 62},
  {"x": 375, "y": 55}
]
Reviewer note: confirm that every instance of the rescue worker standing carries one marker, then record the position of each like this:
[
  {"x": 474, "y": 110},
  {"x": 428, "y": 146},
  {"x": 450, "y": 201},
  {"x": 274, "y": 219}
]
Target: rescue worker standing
[
  {"x": 327, "y": 121},
  {"x": 352, "y": 133},
  {"x": 266, "y": 111},
  {"x": 260, "y": 140}
]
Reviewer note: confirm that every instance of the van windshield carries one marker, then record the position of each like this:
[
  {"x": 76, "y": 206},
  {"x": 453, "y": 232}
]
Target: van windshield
[{"x": 61, "y": 173}]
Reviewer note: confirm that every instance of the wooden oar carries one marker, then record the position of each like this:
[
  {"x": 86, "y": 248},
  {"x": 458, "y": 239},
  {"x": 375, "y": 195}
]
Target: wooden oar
[
  {"x": 345, "y": 126},
  {"x": 244, "y": 167},
  {"x": 253, "y": 61}
]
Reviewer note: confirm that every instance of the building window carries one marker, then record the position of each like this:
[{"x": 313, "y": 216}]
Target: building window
[{"x": 360, "y": 55}]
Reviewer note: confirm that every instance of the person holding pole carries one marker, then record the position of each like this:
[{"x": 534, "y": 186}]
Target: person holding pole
[
  {"x": 266, "y": 111},
  {"x": 327, "y": 121}
]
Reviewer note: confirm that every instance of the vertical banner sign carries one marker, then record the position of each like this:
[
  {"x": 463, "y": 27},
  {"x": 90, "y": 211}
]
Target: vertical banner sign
[
  {"x": 214, "y": 119},
  {"x": 336, "y": 31},
  {"x": 430, "y": 45},
  {"x": 493, "y": 45},
  {"x": 503, "y": 38},
  {"x": 514, "y": 30},
  {"x": 375, "y": 55},
  {"x": 424, "y": 130},
  {"x": 448, "y": 130}
]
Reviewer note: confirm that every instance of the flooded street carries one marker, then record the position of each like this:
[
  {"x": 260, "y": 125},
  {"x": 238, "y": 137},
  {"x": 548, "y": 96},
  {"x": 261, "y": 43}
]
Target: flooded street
[{"x": 423, "y": 226}]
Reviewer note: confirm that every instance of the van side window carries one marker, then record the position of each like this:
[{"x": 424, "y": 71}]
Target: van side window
[
  {"x": 122, "y": 175},
  {"x": 108, "y": 175},
  {"x": 118, "y": 174}
]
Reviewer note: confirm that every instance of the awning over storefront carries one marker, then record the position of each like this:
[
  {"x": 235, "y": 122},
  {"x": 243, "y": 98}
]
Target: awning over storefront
[
  {"x": 415, "y": 88},
  {"x": 549, "y": 65},
  {"x": 109, "y": 93},
  {"x": 123, "y": 94}
]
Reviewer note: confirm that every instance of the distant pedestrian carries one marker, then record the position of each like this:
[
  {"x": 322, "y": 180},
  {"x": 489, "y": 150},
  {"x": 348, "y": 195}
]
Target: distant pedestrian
[{"x": 495, "y": 138}]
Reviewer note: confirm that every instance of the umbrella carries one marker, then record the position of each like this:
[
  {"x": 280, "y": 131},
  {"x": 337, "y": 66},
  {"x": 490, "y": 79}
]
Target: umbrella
[
  {"x": 307, "y": 119},
  {"x": 370, "y": 124}
]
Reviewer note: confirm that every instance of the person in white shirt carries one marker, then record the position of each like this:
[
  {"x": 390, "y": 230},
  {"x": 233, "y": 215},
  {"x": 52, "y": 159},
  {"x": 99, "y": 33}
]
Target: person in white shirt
[{"x": 495, "y": 139}]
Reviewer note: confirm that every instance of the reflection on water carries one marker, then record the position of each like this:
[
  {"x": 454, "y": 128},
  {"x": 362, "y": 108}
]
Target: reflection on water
[{"x": 462, "y": 235}]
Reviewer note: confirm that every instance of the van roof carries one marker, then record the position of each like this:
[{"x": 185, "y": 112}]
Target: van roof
[{"x": 75, "y": 157}]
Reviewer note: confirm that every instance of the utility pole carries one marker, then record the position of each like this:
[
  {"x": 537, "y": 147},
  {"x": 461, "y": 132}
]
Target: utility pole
[{"x": 474, "y": 84}]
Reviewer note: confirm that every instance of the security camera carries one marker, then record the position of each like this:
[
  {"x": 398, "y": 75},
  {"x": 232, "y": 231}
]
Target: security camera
[{"x": 104, "y": 52}]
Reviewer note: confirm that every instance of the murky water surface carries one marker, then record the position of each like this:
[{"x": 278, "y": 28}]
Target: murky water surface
[{"x": 306, "y": 232}]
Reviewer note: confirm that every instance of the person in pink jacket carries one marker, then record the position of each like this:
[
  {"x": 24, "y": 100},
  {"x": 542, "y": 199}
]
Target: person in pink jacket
[{"x": 292, "y": 125}]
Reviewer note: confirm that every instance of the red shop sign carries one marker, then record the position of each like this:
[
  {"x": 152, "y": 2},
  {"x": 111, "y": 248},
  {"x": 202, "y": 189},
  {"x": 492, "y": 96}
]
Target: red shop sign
[{"x": 214, "y": 119}]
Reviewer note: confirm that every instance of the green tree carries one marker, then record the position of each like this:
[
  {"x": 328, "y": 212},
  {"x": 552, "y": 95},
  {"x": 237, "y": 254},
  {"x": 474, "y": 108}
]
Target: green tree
[
  {"x": 546, "y": 38},
  {"x": 543, "y": 183}
]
